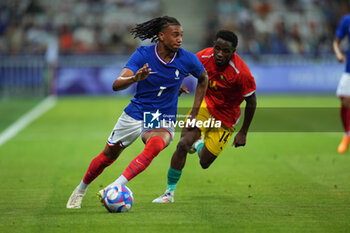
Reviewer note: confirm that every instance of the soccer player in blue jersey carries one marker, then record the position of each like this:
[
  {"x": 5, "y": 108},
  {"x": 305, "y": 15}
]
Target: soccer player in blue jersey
[
  {"x": 343, "y": 90},
  {"x": 158, "y": 70}
]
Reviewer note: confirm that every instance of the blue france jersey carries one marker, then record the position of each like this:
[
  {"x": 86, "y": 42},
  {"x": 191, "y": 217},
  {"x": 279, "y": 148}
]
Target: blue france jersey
[
  {"x": 159, "y": 91},
  {"x": 342, "y": 31}
]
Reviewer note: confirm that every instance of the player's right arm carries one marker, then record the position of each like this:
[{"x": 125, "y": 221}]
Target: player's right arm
[
  {"x": 127, "y": 77},
  {"x": 337, "y": 51}
]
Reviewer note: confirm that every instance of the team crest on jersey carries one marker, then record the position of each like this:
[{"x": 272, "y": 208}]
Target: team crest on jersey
[
  {"x": 151, "y": 120},
  {"x": 177, "y": 72},
  {"x": 212, "y": 85}
]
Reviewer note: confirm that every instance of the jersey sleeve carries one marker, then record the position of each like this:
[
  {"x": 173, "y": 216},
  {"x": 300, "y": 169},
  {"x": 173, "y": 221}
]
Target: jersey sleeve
[
  {"x": 136, "y": 61},
  {"x": 248, "y": 84},
  {"x": 197, "y": 67},
  {"x": 343, "y": 27}
]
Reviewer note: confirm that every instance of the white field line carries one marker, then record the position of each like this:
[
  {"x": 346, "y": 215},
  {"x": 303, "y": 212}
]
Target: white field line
[{"x": 26, "y": 119}]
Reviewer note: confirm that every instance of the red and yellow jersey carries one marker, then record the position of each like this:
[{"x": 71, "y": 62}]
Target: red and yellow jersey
[{"x": 227, "y": 87}]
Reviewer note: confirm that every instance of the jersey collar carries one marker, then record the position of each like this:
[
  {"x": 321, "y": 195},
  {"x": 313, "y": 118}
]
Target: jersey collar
[{"x": 160, "y": 59}]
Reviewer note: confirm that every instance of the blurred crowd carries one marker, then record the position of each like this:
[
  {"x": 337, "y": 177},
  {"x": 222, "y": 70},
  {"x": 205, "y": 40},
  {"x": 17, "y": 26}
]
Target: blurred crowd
[
  {"x": 101, "y": 26},
  {"x": 76, "y": 26},
  {"x": 279, "y": 26}
]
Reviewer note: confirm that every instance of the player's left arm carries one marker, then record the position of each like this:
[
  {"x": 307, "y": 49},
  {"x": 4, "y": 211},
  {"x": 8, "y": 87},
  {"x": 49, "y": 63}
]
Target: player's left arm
[
  {"x": 337, "y": 51},
  {"x": 201, "y": 88},
  {"x": 183, "y": 89},
  {"x": 240, "y": 139},
  {"x": 340, "y": 33}
]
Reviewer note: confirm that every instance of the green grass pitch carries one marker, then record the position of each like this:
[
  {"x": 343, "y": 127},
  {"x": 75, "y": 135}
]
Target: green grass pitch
[{"x": 278, "y": 182}]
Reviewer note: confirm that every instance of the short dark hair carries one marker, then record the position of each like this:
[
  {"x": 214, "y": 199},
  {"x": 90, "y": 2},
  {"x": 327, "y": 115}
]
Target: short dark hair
[
  {"x": 228, "y": 36},
  {"x": 151, "y": 28}
]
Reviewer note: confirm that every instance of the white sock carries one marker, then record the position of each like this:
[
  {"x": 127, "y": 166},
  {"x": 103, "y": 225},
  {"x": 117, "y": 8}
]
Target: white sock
[
  {"x": 120, "y": 181},
  {"x": 83, "y": 186}
]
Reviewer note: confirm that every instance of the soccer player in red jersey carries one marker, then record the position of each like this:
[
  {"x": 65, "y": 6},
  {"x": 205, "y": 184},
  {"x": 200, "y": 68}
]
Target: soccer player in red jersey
[{"x": 230, "y": 83}]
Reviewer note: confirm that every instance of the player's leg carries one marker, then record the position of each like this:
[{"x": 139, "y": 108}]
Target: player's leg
[
  {"x": 206, "y": 158},
  {"x": 343, "y": 92},
  {"x": 345, "y": 118},
  {"x": 124, "y": 133},
  {"x": 98, "y": 164},
  {"x": 188, "y": 137},
  {"x": 96, "y": 167},
  {"x": 184, "y": 146},
  {"x": 178, "y": 160},
  {"x": 155, "y": 141},
  {"x": 215, "y": 140}
]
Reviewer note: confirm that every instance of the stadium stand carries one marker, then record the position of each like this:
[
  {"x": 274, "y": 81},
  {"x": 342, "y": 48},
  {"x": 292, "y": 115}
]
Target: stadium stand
[
  {"x": 100, "y": 26},
  {"x": 49, "y": 47}
]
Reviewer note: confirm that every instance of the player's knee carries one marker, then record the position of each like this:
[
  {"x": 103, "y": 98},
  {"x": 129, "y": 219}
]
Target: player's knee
[
  {"x": 112, "y": 152},
  {"x": 204, "y": 165},
  {"x": 346, "y": 102},
  {"x": 110, "y": 155},
  {"x": 156, "y": 144},
  {"x": 183, "y": 146}
]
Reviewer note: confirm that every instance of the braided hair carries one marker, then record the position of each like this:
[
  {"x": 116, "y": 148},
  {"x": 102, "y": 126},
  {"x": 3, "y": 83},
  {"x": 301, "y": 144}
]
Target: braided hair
[
  {"x": 151, "y": 28},
  {"x": 228, "y": 36}
]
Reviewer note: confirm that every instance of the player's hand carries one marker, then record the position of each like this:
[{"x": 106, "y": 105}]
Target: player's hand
[
  {"x": 240, "y": 139},
  {"x": 183, "y": 89},
  {"x": 142, "y": 73},
  {"x": 340, "y": 57}
]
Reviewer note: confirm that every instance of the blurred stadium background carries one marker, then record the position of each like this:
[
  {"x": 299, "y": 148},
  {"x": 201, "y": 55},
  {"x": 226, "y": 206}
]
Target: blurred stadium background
[{"x": 79, "y": 46}]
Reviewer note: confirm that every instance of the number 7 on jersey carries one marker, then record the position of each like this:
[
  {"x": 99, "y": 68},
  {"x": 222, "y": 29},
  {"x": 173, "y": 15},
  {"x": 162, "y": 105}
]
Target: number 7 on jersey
[{"x": 161, "y": 90}]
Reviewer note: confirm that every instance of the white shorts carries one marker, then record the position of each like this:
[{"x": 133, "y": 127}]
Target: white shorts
[
  {"x": 128, "y": 129},
  {"x": 344, "y": 85}
]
